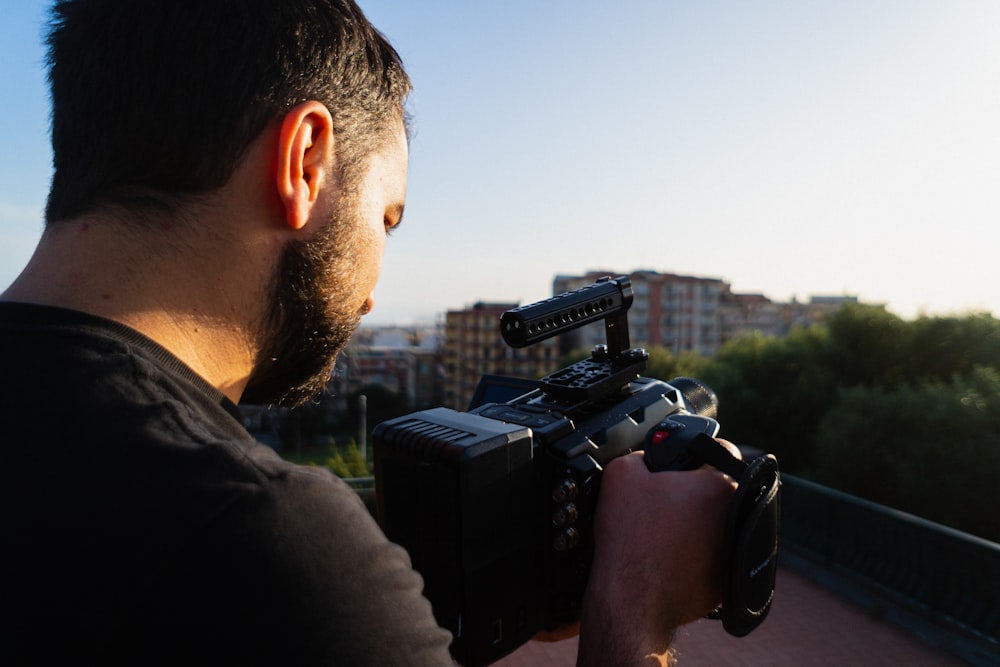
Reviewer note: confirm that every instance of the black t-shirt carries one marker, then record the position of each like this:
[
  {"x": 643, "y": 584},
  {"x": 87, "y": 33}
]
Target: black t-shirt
[{"x": 143, "y": 525}]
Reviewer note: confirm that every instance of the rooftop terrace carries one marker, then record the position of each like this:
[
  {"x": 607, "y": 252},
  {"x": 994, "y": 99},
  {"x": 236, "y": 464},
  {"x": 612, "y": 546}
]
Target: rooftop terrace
[{"x": 809, "y": 624}]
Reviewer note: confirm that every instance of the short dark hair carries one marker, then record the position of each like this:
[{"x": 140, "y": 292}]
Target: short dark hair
[{"x": 154, "y": 101}]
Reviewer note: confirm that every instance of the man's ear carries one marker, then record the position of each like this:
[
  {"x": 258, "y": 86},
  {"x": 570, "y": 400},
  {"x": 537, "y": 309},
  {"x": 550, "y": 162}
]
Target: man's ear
[{"x": 305, "y": 158}]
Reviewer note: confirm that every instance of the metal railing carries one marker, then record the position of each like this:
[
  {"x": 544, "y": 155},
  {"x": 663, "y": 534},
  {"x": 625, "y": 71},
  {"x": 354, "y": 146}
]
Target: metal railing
[{"x": 945, "y": 575}]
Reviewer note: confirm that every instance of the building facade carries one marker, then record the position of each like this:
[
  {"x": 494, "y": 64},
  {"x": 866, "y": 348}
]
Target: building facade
[
  {"x": 682, "y": 313},
  {"x": 473, "y": 348},
  {"x": 693, "y": 314}
]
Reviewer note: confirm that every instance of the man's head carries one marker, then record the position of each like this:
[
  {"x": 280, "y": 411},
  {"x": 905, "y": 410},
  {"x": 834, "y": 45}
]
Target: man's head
[{"x": 157, "y": 102}]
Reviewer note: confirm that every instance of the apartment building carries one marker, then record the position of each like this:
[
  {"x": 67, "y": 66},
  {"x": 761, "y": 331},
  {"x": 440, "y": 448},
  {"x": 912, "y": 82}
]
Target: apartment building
[
  {"x": 473, "y": 348},
  {"x": 694, "y": 314},
  {"x": 683, "y": 313}
]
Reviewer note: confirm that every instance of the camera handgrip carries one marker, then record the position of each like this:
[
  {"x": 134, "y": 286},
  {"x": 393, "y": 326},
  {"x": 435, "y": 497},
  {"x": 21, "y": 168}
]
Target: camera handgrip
[{"x": 686, "y": 442}]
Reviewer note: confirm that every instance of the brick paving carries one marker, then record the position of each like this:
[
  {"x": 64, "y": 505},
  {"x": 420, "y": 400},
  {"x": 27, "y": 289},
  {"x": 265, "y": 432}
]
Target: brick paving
[{"x": 807, "y": 625}]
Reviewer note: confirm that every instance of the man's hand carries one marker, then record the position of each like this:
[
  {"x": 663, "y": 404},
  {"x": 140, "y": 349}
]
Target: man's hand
[{"x": 658, "y": 563}]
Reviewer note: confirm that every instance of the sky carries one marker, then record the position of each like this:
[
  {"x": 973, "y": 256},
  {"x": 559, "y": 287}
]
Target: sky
[{"x": 790, "y": 148}]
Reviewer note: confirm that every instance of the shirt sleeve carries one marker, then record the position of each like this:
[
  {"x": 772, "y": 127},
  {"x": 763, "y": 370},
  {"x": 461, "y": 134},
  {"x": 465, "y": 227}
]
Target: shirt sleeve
[
  {"x": 295, "y": 571},
  {"x": 368, "y": 598}
]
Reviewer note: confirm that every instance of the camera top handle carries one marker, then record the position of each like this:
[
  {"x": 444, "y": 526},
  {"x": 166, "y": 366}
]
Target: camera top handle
[
  {"x": 608, "y": 299},
  {"x": 610, "y": 367}
]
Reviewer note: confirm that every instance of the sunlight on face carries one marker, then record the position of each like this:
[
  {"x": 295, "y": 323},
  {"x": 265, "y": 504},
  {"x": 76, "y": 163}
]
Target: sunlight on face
[{"x": 324, "y": 285}]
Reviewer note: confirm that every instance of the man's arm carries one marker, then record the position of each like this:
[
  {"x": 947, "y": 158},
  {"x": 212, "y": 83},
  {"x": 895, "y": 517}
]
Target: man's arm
[{"x": 658, "y": 562}]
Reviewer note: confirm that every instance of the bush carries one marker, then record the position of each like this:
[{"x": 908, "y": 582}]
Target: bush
[
  {"x": 346, "y": 461},
  {"x": 929, "y": 449}
]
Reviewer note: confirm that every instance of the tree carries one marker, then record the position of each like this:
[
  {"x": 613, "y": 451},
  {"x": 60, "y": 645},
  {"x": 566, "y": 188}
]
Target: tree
[
  {"x": 665, "y": 365},
  {"x": 773, "y": 392},
  {"x": 940, "y": 347},
  {"x": 929, "y": 449},
  {"x": 868, "y": 345}
]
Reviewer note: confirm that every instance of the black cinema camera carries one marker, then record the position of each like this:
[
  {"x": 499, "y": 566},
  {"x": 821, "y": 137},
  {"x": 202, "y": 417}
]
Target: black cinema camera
[{"x": 495, "y": 505}]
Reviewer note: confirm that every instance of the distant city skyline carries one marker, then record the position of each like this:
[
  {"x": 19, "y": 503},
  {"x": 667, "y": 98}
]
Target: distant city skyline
[
  {"x": 789, "y": 149},
  {"x": 433, "y": 318}
]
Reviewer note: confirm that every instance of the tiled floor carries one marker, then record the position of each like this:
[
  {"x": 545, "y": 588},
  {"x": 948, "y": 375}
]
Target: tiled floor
[{"x": 808, "y": 625}]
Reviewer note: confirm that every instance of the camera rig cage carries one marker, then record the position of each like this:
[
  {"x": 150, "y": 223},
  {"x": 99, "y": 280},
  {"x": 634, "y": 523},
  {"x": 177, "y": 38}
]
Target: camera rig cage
[{"x": 495, "y": 505}]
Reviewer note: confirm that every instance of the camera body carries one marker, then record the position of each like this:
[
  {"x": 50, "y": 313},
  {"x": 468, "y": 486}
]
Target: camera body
[{"x": 495, "y": 505}]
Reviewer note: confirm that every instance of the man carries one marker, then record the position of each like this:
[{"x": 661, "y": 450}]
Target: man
[{"x": 226, "y": 173}]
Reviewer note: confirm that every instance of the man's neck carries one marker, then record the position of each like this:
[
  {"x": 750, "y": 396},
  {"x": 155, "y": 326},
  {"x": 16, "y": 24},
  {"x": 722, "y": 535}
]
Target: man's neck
[{"x": 192, "y": 307}]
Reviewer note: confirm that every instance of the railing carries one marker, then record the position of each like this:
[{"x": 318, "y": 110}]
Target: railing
[
  {"x": 360, "y": 483},
  {"x": 949, "y": 577}
]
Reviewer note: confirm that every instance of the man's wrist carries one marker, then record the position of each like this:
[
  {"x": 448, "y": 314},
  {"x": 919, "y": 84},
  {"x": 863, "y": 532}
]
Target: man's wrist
[{"x": 605, "y": 642}]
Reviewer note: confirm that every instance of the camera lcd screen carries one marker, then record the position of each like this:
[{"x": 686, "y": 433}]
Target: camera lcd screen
[{"x": 500, "y": 389}]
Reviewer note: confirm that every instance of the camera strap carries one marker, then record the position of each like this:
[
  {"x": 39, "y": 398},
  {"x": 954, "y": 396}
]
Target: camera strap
[{"x": 751, "y": 534}]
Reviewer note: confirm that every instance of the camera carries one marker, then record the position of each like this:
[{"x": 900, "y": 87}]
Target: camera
[{"x": 495, "y": 505}]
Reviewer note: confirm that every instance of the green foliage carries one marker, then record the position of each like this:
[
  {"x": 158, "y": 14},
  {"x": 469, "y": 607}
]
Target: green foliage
[
  {"x": 929, "y": 449},
  {"x": 941, "y": 347},
  {"x": 774, "y": 391},
  {"x": 665, "y": 365},
  {"x": 868, "y": 345},
  {"x": 346, "y": 460},
  {"x": 904, "y": 413}
]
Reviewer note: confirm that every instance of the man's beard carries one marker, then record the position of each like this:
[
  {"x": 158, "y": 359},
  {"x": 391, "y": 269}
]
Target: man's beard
[{"x": 307, "y": 321}]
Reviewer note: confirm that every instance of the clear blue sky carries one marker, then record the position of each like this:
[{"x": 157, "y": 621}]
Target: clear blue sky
[{"x": 789, "y": 148}]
